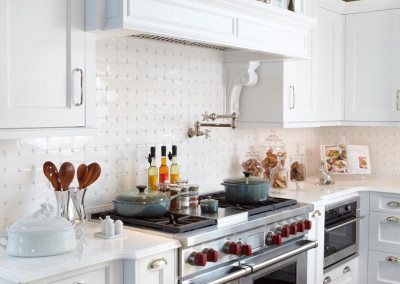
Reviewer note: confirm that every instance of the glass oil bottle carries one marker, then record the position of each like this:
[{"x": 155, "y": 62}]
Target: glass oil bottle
[
  {"x": 163, "y": 170},
  {"x": 152, "y": 173},
  {"x": 174, "y": 169}
]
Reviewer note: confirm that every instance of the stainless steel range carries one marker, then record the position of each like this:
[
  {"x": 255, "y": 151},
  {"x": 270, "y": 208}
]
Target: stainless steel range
[{"x": 238, "y": 244}]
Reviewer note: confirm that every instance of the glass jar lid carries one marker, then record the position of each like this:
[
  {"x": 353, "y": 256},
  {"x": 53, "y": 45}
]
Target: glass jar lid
[
  {"x": 300, "y": 152},
  {"x": 273, "y": 141},
  {"x": 142, "y": 197}
]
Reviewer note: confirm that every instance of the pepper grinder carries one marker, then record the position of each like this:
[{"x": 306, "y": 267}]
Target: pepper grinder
[{"x": 109, "y": 227}]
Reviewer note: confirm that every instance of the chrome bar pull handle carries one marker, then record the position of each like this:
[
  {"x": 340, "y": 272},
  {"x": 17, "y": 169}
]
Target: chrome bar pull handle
[
  {"x": 293, "y": 97},
  {"x": 398, "y": 100},
  {"x": 80, "y": 87}
]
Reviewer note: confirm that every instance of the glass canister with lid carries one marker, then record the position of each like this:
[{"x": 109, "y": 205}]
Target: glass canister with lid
[
  {"x": 274, "y": 149},
  {"x": 298, "y": 165},
  {"x": 252, "y": 162},
  {"x": 279, "y": 175}
]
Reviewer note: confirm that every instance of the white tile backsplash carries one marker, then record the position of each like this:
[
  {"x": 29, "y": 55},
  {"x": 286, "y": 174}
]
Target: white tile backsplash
[{"x": 149, "y": 93}]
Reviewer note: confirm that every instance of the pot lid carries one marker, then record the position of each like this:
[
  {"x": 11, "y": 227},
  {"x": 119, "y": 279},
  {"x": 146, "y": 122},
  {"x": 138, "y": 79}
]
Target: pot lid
[
  {"x": 141, "y": 197},
  {"x": 246, "y": 179},
  {"x": 41, "y": 221}
]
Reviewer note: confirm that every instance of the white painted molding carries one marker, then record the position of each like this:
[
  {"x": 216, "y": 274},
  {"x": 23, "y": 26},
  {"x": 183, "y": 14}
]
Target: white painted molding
[{"x": 239, "y": 75}]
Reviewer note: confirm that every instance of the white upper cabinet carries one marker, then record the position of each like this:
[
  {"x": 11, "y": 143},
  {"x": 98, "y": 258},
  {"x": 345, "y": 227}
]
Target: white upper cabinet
[
  {"x": 282, "y": 97},
  {"x": 45, "y": 60},
  {"x": 242, "y": 24},
  {"x": 372, "y": 70},
  {"x": 330, "y": 67}
]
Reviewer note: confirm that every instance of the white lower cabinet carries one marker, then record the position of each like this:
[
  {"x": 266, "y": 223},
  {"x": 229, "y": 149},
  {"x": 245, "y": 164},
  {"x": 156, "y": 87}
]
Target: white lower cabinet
[
  {"x": 345, "y": 273},
  {"x": 384, "y": 268},
  {"x": 161, "y": 268},
  {"x": 105, "y": 273}
]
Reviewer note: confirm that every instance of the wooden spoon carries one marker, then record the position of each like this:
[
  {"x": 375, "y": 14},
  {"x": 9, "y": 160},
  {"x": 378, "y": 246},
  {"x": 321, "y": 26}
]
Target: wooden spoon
[
  {"x": 81, "y": 174},
  {"x": 51, "y": 173},
  {"x": 66, "y": 175},
  {"x": 94, "y": 171}
]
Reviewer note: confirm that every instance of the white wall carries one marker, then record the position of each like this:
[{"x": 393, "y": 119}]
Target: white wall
[{"x": 149, "y": 93}]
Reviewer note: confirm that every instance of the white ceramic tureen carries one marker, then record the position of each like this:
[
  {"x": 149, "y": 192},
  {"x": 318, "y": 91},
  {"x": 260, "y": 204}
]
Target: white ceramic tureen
[{"x": 42, "y": 234}]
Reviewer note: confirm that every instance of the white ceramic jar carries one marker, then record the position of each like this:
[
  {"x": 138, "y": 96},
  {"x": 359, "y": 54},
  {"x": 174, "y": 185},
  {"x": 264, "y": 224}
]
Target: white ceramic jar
[{"x": 40, "y": 236}]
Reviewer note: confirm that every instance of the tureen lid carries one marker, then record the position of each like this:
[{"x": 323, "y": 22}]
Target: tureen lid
[{"x": 41, "y": 221}]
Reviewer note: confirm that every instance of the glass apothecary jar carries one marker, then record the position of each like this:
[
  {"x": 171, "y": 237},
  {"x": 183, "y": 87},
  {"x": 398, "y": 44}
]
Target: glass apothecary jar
[
  {"x": 274, "y": 149},
  {"x": 279, "y": 176},
  {"x": 298, "y": 165},
  {"x": 252, "y": 162}
]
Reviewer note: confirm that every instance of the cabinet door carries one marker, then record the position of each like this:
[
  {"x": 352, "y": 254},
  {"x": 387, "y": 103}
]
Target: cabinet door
[
  {"x": 158, "y": 269},
  {"x": 383, "y": 268},
  {"x": 42, "y": 63},
  {"x": 330, "y": 66},
  {"x": 315, "y": 257},
  {"x": 299, "y": 99},
  {"x": 372, "y": 77}
]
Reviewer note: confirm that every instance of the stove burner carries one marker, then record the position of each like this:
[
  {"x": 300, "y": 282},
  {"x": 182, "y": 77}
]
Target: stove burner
[
  {"x": 170, "y": 222},
  {"x": 273, "y": 203}
]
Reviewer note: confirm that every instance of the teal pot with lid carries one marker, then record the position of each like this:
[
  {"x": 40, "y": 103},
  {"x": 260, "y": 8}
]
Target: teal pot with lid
[{"x": 246, "y": 190}]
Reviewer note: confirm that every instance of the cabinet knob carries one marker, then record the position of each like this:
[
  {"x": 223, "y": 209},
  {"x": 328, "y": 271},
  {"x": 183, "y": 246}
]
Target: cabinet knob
[
  {"x": 157, "y": 264},
  {"x": 346, "y": 270},
  {"x": 316, "y": 213}
]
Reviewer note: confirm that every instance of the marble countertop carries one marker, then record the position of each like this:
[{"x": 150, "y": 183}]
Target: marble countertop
[
  {"x": 90, "y": 251},
  {"x": 311, "y": 192}
]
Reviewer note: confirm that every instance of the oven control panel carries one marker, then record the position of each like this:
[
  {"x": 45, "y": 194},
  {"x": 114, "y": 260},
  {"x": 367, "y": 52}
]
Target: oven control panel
[{"x": 241, "y": 244}]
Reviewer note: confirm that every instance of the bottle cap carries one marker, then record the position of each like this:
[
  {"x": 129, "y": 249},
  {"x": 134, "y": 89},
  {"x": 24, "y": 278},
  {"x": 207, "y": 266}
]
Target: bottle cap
[
  {"x": 174, "y": 150},
  {"x": 153, "y": 152},
  {"x": 163, "y": 151}
]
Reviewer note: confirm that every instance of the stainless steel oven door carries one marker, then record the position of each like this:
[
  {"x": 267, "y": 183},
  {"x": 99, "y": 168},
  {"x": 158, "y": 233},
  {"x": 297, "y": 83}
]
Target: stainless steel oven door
[
  {"x": 263, "y": 267},
  {"x": 341, "y": 240}
]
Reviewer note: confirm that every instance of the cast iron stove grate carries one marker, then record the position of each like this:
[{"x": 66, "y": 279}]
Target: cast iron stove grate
[
  {"x": 170, "y": 222},
  {"x": 273, "y": 203}
]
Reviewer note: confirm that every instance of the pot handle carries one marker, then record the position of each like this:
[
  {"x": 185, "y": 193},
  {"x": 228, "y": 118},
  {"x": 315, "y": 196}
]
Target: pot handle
[
  {"x": 3, "y": 237},
  {"x": 79, "y": 233}
]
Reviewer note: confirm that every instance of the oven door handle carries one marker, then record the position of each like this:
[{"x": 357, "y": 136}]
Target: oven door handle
[
  {"x": 260, "y": 266},
  {"x": 344, "y": 224},
  {"x": 250, "y": 269}
]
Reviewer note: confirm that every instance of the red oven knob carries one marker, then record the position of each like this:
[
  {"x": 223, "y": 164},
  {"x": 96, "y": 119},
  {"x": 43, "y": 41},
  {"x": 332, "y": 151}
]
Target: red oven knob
[
  {"x": 307, "y": 224},
  {"x": 293, "y": 229},
  {"x": 285, "y": 232},
  {"x": 232, "y": 248},
  {"x": 212, "y": 255},
  {"x": 246, "y": 250},
  {"x": 198, "y": 259},
  {"x": 301, "y": 227},
  {"x": 277, "y": 239}
]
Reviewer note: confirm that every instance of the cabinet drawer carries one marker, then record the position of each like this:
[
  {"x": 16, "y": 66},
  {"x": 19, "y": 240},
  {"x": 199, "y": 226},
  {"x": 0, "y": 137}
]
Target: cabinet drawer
[
  {"x": 385, "y": 202},
  {"x": 345, "y": 273},
  {"x": 158, "y": 269},
  {"x": 384, "y": 232},
  {"x": 97, "y": 276},
  {"x": 383, "y": 268}
]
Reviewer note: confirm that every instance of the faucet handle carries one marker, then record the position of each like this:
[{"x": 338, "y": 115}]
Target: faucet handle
[{"x": 206, "y": 117}]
